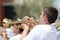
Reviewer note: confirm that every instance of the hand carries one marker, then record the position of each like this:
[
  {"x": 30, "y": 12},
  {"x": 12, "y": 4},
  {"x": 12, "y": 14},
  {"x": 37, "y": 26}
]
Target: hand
[
  {"x": 25, "y": 32},
  {"x": 26, "y": 19},
  {"x": 25, "y": 26},
  {"x": 3, "y": 34}
]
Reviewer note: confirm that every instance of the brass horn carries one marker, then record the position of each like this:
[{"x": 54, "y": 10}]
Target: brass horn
[{"x": 7, "y": 23}]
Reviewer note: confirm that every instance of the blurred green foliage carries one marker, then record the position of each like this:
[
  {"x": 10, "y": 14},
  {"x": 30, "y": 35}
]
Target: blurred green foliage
[
  {"x": 57, "y": 25},
  {"x": 31, "y": 8}
]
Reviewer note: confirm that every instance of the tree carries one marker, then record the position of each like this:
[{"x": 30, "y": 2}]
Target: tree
[{"x": 31, "y": 7}]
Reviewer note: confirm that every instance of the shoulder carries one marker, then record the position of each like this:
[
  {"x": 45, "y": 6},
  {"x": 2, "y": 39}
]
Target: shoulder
[
  {"x": 17, "y": 37},
  {"x": 43, "y": 29},
  {"x": 12, "y": 38}
]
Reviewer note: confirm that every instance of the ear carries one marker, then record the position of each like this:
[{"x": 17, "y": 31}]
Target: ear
[{"x": 44, "y": 16}]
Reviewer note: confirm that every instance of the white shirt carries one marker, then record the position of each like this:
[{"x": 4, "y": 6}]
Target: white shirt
[
  {"x": 9, "y": 32},
  {"x": 42, "y": 32},
  {"x": 0, "y": 37},
  {"x": 17, "y": 37},
  {"x": 58, "y": 35}
]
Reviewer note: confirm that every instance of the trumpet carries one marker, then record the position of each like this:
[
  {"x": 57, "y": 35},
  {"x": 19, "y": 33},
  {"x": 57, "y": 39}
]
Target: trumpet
[
  {"x": 7, "y": 23},
  {"x": 32, "y": 22}
]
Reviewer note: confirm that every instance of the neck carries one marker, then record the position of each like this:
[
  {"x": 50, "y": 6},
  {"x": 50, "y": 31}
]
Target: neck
[{"x": 45, "y": 23}]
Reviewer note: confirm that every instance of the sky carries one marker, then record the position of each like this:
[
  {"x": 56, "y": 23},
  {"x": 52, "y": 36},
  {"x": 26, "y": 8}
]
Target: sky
[{"x": 57, "y": 3}]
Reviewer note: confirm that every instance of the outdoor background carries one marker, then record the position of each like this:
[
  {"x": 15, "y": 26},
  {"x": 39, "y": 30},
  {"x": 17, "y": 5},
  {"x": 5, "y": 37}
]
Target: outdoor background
[
  {"x": 33, "y": 7},
  {"x": 30, "y": 8},
  {"x": 13, "y": 9}
]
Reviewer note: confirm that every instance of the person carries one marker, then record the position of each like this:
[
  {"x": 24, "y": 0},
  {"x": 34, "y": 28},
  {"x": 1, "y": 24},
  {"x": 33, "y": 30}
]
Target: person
[
  {"x": 45, "y": 30},
  {"x": 0, "y": 33},
  {"x": 9, "y": 32},
  {"x": 17, "y": 33},
  {"x": 8, "y": 27}
]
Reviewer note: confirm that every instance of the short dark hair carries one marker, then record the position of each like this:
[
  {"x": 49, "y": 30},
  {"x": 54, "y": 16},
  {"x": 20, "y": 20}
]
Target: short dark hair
[
  {"x": 21, "y": 30},
  {"x": 51, "y": 14}
]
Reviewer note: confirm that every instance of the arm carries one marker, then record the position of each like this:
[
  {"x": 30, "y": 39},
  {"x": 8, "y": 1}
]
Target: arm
[
  {"x": 32, "y": 34},
  {"x": 3, "y": 35},
  {"x": 26, "y": 28}
]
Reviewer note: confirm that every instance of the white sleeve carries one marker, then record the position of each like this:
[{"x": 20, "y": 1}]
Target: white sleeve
[
  {"x": 32, "y": 35},
  {"x": 41, "y": 34}
]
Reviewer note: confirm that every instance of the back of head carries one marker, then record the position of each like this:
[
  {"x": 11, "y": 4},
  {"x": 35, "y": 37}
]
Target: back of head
[{"x": 51, "y": 14}]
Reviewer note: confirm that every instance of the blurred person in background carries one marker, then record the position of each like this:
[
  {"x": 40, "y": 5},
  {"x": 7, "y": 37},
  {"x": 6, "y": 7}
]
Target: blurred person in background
[
  {"x": 17, "y": 33},
  {"x": 0, "y": 33},
  {"x": 8, "y": 28}
]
